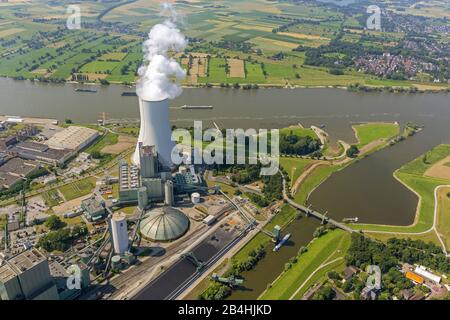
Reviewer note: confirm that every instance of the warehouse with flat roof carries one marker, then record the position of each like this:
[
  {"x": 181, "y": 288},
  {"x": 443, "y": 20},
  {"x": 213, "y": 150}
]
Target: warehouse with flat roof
[{"x": 73, "y": 137}]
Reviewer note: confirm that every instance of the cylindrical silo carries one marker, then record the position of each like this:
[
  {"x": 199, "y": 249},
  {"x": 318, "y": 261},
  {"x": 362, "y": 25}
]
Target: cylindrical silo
[
  {"x": 195, "y": 198},
  {"x": 142, "y": 198},
  {"x": 119, "y": 232},
  {"x": 168, "y": 193},
  {"x": 116, "y": 262},
  {"x": 155, "y": 130}
]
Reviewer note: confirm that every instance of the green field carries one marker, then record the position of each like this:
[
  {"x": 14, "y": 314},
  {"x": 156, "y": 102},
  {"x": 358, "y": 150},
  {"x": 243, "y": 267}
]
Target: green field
[
  {"x": 329, "y": 247},
  {"x": 78, "y": 189},
  {"x": 443, "y": 221},
  {"x": 369, "y": 132},
  {"x": 32, "y": 45},
  {"x": 294, "y": 167},
  {"x": 106, "y": 140}
]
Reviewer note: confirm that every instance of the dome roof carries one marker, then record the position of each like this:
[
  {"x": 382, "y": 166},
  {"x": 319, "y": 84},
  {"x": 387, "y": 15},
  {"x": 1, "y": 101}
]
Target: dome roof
[{"x": 164, "y": 224}]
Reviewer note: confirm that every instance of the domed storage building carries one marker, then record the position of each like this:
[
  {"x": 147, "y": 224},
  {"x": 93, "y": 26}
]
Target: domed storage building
[{"x": 164, "y": 224}]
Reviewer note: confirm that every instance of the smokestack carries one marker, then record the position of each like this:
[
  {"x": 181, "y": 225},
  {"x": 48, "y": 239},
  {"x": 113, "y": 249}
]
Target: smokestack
[{"x": 155, "y": 130}]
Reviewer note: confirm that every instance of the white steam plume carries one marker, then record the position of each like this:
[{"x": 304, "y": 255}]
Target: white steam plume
[{"x": 156, "y": 74}]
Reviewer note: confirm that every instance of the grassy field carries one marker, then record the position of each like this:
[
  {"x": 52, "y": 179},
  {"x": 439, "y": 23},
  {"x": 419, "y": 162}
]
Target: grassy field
[
  {"x": 412, "y": 175},
  {"x": 78, "y": 189},
  {"x": 294, "y": 167},
  {"x": 106, "y": 140},
  {"x": 443, "y": 219},
  {"x": 330, "y": 246},
  {"x": 298, "y": 131},
  {"x": 32, "y": 46},
  {"x": 369, "y": 132}
]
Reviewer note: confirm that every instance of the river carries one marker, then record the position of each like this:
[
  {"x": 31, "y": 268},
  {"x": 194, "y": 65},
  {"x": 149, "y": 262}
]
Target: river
[{"x": 366, "y": 189}]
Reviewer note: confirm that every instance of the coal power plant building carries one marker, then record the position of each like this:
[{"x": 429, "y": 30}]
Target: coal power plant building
[{"x": 164, "y": 224}]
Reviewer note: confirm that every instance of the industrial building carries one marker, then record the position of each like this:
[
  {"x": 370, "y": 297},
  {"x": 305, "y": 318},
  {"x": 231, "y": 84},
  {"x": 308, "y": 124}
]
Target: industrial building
[
  {"x": 15, "y": 170},
  {"x": 41, "y": 152},
  {"x": 422, "y": 271},
  {"x": 164, "y": 224},
  {"x": 94, "y": 208},
  {"x": 73, "y": 138},
  {"x": 27, "y": 276}
]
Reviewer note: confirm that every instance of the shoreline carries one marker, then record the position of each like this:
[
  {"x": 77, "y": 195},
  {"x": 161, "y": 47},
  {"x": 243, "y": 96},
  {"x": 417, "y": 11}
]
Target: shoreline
[{"x": 371, "y": 89}]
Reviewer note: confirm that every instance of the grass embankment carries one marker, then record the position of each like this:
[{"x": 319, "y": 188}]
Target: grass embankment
[
  {"x": 331, "y": 246},
  {"x": 317, "y": 176},
  {"x": 294, "y": 167},
  {"x": 369, "y": 132},
  {"x": 412, "y": 175},
  {"x": 443, "y": 218}
]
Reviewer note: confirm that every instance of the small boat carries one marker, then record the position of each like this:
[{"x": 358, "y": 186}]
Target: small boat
[
  {"x": 86, "y": 90},
  {"x": 282, "y": 242},
  {"x": 350, "y": 220},
  {"x": 196, "y": 107},
  {"x": 129, "y": 94}
]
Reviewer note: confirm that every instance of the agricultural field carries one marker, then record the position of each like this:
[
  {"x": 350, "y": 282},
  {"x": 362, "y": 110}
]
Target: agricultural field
[{"x": 257, "y": 42}]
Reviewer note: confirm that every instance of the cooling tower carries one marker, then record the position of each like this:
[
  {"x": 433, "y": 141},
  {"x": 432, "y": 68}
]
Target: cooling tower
[{"x": 155, "y": 130}]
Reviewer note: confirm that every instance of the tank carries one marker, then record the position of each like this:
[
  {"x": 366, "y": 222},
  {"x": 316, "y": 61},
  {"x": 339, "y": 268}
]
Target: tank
[
  {"x": 115, "y": 262},
  {"x": 195, "y": 198}
]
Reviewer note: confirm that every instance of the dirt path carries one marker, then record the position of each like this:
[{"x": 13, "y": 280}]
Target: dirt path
[{"x": 305, "y": 175}]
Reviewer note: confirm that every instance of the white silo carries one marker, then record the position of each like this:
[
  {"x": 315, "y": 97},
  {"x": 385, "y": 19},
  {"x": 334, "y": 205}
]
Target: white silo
[
  {"x": 195, "y": 198},
  {"x": 168, "y": 193},
  {"x": 155, "y": 130},
  {"x": 119, "y": 232}
]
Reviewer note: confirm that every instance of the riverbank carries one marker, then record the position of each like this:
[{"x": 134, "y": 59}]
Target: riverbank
[
  {"x": 321, "y": 255},
  {"x": 411, "y": 88},
  {"x": 413, "y": 176}
]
